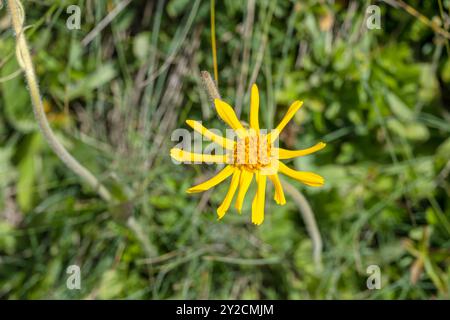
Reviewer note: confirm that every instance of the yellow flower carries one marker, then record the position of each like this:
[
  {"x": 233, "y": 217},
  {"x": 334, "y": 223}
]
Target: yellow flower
[{"x": 253, "y": 154}]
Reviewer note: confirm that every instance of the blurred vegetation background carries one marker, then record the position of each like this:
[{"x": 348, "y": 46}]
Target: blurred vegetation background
[{"x": 116, "y": 89}]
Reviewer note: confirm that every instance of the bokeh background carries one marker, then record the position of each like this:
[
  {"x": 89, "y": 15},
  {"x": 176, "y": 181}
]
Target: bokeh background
[{"x": 379, "y": 97}]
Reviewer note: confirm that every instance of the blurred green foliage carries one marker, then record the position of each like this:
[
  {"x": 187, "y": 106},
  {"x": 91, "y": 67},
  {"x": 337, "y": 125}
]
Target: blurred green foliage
[{"x": 379, "y": 98}]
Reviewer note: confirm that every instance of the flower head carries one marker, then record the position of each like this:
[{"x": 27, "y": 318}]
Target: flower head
[{"x": 253, "y": 154}]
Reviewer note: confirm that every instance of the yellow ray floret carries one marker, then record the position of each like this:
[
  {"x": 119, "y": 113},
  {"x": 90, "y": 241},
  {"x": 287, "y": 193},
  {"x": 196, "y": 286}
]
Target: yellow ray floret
[
  {"x": 253, "y": 154},
  {"x": 259, "y": 200},
  {"x": 223, "y": 142},
  {"x": 287, "y": 117},
  {"x": 218, "y": 178},
  {"x": 308, "y": 178},
  {"x": 244, "y": 184},
  {"x": 185, "y": 156},
  {"x": 289, "y": 154},
  {"x": 230, "y": 194},
  {"x": 226, "y": 113},
  {"x": 279, "y": 193}
]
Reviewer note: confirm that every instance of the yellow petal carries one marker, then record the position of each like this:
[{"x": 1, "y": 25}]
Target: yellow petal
[
  {"x": 288, "y": 154},
  {"x": 254, "y": 108},
  {"x": 279, "y": 193},
  {"x": 244, "y": 184},
  {"x": 287, "y": 117},
  {"x": 185, "y": 156},
  {"x": 255, "y": 198},
  {"x": 259, "y": 200},
  {"x": 218, "y": 178},
  {"x": 227, "y": 114},
  {"x": 230, "y": 194},
  {"x": 308, "y": 178},
  {"x": 224, "y": 142}
]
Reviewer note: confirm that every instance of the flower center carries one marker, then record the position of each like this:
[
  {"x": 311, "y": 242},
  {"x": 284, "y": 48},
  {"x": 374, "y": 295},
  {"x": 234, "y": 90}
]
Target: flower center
[{"x": 251, "y": 153}]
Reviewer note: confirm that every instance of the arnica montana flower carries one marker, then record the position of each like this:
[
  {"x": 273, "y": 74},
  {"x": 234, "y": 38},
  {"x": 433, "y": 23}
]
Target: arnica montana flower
[{"x": 253, "y": 154}]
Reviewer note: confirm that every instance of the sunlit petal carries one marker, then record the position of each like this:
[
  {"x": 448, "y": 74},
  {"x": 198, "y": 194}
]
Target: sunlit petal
[
  {"x": 230, "y": 194},
  {"x": 244, "y": 184},
  {"x": 227, "y": 114},
  {"x": 224, "y": 142},
  {"x": 289, "y": 154},
  {"x": 287, "y": 117},
  {"x": 259, "y": 201},
  {"x": 186, "y": 156},
  {"x": 279, "y": 193},
  {"x": 218, "y": 178},
  {"x": 308, "y": 178}
]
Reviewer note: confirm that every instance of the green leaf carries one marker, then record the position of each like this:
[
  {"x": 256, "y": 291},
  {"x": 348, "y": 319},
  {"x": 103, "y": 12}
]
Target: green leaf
[
  {"x": 445, "y": 74},
  {"x": 17, "y": 105},
  {"x": 111, "y": 285},
  {"x": 7, "y": 238},
  {"x": 100, "y": 77},
  {"x": 431, "y": 216},
  {"x": 141, "y": 45},
  {"x": 177, "y": 7},
  {"x": 27, "y": 173},
  {"x": 398, "y": 107},
  {"x": 429, "y": 85},
  {"x": 417, "y": 132}
]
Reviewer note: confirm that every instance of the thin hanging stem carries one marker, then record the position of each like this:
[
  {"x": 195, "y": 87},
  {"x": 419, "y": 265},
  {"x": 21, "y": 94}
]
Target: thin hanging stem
[
  {"x": 24, "y": 59},
  {"x": 213, "y": 41}
]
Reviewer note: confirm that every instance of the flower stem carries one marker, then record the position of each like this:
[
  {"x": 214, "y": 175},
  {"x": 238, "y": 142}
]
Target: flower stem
[
  {"x": 213, "y": 41},
  {"x": 24, "y": 59}
]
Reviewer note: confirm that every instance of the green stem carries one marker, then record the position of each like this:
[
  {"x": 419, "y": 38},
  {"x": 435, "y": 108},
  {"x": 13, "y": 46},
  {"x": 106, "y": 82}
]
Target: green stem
[{"x": 24, "y": 59}]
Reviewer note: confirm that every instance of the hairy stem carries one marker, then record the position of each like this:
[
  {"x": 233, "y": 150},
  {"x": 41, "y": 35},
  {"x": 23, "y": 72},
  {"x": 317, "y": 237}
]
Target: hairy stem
[{"x": 24, "y": 59}]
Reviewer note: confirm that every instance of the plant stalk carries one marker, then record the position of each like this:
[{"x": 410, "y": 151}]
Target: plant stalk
[{"x": 24, "y": 59}]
